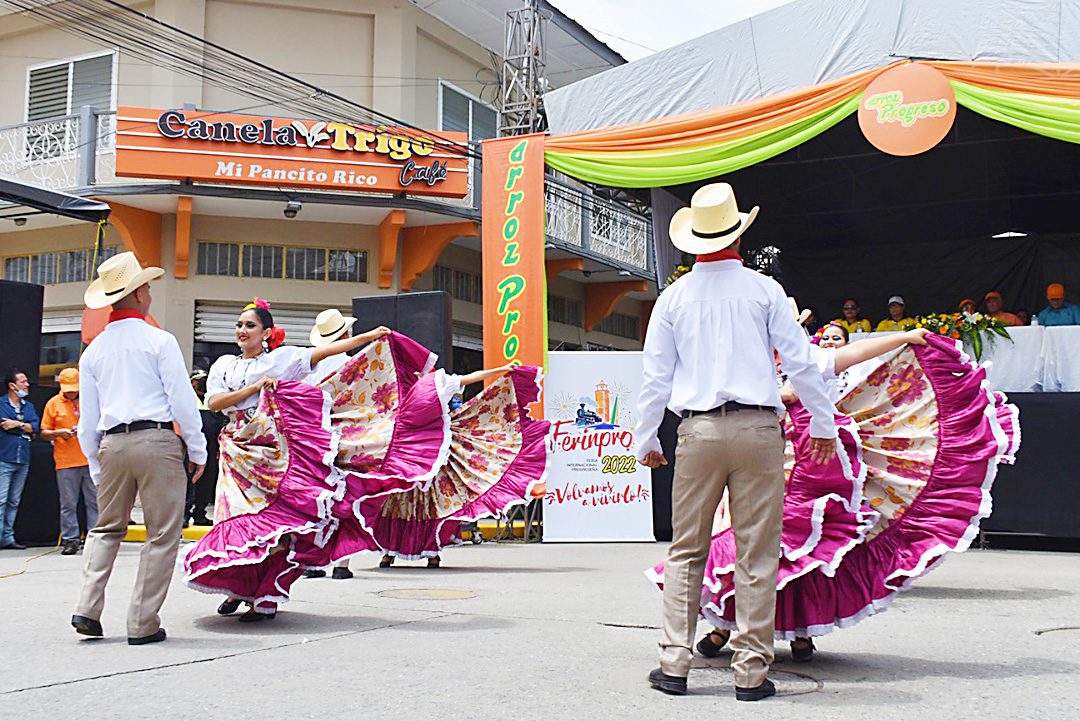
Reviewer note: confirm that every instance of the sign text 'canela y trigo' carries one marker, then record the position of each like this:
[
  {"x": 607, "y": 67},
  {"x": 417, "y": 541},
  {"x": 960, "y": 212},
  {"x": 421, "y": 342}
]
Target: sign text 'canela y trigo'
[{"x": 252, "y": 150}]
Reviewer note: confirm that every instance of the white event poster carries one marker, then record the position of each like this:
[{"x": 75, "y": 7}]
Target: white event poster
[{"x": 596, "y": 490}]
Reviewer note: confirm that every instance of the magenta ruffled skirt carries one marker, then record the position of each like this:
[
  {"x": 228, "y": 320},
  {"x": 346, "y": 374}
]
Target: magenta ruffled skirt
[
  {"x": 315, "y": 466},
  {"x": 920, "y": 442}
]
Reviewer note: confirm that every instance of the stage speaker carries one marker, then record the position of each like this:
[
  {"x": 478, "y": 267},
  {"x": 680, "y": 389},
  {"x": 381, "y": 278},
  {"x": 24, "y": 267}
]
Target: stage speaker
[
  {"x": 20, "y": 327},
  {"x": 424, "y": 317}
]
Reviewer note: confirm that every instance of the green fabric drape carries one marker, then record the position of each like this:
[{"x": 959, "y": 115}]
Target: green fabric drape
[
  {"x": 650, "y": 169},
  {"x": 1054, "y": 117}
]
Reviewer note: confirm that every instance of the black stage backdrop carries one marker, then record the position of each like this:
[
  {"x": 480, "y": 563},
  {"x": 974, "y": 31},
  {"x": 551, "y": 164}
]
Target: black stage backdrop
[{"x": 932, "y": 277}]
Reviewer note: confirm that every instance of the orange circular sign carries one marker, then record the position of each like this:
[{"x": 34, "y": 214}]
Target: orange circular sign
[{"x": 907, "y": 110}]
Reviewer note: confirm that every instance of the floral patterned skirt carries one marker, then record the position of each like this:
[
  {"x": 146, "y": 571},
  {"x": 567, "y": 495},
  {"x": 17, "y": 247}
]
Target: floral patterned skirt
[
  {"x": 920, "y": 442},
  {"x": 304, "y": 475}
]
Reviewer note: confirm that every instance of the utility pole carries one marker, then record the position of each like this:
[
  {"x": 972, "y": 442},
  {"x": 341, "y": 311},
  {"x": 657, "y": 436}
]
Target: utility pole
[{"x": 523, "y": 71}]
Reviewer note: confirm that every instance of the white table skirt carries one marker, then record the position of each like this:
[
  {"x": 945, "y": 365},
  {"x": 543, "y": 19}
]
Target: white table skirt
[{"x": 1038, "y": 358}]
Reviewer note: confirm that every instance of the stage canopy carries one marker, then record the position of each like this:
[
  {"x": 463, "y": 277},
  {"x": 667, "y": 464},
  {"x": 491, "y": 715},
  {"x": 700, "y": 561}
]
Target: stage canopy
[
  {"x": 41, "y": 200},
  {"x": 741, "y": 105}
]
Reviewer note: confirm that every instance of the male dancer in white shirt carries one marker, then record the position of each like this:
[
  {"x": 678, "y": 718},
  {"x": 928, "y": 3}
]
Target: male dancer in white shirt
[
  {"x": 133, "y": 385},
  {"x": 709, "y": 358}
]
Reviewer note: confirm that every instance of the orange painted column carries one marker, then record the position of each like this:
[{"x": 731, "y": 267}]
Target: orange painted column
[{"x": 183, "y": 235}]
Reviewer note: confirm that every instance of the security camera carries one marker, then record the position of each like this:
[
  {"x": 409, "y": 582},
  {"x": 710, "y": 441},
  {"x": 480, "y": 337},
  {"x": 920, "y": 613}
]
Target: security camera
[
  {"x": 20, "y": 222},
  {"x": 292, "y": 208}
]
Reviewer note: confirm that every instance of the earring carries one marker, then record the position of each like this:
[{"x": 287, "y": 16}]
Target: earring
[{"x": 266, "y": 347}]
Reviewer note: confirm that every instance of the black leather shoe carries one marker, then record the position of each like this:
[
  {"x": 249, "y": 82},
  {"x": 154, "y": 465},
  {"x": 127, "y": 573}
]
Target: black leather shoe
[
  {"x": 70, "y": 548},
  {"x": 253, "y": 616},
  {"x": 802, "y": 650},
  {"x": 709, "y": 648},
  {"x": 156, "y": 637},
  {"x": 756, "y": 693},
  {"x": 15, "y": 546},
  {"x": 203, "y": 521},
  {"x": 87, "y": 626},
  {"x": 674, "y": 685},
  {"x": 341, "y": 574},
  {"x": 314, "y": 573},
  {"x": 229, "y": 606},
  {"x": 386, "y": 562}
]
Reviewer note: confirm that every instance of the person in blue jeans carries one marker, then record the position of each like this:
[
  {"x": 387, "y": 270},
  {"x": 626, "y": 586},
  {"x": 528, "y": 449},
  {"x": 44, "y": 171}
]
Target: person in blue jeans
[{"x": 18, "y": 422}]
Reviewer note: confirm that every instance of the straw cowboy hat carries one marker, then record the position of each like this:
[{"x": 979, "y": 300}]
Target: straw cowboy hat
[
  {"x": 118, "y": 276},
  {"x": 800, "y": 317},
  {"x": 711, "y": 223},
  {"x": 329, "y": 326}
]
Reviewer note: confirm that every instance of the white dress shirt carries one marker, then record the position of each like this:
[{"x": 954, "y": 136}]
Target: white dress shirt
[
  {"x": 233, "y": 372},
  {"x": 328, "y": 365},
  {"x": 134, "y": 372},
  {"x": 710, "y": 340}
]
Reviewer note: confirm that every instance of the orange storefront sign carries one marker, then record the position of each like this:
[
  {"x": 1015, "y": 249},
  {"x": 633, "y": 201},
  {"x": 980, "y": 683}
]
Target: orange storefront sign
[
  {"x": 515, "y": 283},
  {"x": 282, "y": 152},
  {"x": 907, "y": 110}
]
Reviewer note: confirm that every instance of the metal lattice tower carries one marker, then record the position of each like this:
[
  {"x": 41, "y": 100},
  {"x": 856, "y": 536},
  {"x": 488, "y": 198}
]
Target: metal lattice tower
[{"x": 523, "y": 71}]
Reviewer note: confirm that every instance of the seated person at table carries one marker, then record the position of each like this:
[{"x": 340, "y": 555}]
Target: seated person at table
[
  {"x": 896, "y": 320},
  {"x": 853, "y": 322},
  {"x": 1059, "y": 311},
  {"x": 967, "y": 305},
  {"x": 994, "y": 303}
]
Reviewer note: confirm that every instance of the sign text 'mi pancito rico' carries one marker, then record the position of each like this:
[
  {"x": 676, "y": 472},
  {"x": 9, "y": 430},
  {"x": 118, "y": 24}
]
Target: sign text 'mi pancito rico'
[{"x": 253, "y": 150}]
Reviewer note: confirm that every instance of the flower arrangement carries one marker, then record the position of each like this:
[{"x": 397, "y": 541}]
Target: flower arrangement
[
  {"x": 970, "y": 328},
  {"x": 680, "y": 271}
]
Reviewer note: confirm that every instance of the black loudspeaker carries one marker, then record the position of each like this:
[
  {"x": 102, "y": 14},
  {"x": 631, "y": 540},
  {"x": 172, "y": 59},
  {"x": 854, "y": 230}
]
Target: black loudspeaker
[
  {"x": 20, "y": 327},
  {"x": 424, "y": 317}
]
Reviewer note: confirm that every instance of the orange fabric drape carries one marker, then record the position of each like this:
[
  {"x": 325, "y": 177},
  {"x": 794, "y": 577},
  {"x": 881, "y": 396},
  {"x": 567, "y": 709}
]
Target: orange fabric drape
[
  {"x": 1060, "y": 80},
  {"x": 716, "y": 125}
]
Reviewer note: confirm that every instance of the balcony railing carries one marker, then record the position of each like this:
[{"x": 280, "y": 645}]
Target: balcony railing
[
  {"x": 79, "y": 151},
  {"x": 596, "y": 225}
]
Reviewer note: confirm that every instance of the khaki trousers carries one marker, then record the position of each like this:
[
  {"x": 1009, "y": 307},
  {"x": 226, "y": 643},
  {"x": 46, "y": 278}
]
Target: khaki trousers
[
  {"x": 149, "y": 463},
  {"x": 742, "y": 451}
]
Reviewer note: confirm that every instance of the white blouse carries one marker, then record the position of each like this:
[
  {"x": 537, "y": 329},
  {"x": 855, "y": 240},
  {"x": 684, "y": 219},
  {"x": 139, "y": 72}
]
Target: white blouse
[
  {"x": 825, "y": 360},
  {"x": 233, "y": 372}
]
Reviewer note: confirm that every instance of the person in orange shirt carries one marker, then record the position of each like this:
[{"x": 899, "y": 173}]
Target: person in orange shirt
[
  {"x": 994, "y": 302},
  {"x": 58, "y": 424}
]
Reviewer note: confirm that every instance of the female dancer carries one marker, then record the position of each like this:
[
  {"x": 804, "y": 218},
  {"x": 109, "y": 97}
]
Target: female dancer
[
  {"x": 326, "y": 460},
  {"x": 233, "y": 387},
  {"x": 919, "y": 448}
]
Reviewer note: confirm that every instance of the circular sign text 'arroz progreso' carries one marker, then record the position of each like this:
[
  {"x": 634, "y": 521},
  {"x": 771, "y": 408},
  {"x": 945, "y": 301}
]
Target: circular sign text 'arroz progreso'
[{"x": 907, "y": 110}]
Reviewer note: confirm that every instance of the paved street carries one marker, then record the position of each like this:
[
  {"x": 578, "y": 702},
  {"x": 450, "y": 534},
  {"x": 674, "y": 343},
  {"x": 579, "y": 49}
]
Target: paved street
[{"x": 534, "y": 632}]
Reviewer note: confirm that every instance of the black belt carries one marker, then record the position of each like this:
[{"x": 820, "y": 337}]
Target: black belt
[
  {"x": 139, "y": 426},
  {"x": 728, "y": 408}
]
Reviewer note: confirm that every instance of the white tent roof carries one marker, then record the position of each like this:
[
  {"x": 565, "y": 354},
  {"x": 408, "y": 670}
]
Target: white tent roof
[
  {"x": 807, "y": 42},
  {"x": 572, "y": 51}
]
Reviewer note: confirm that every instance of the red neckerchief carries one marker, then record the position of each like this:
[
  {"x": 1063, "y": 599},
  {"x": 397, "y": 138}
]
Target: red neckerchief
[
  {"x": 725, "y": 254},
  {"x": 124, "y": 314}
]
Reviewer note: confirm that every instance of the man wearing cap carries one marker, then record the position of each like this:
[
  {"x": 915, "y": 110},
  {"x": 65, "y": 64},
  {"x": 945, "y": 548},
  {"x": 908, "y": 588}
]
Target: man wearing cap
[
  {"x": 133, "y": 386},
  {"x": 1059, "y": 311},
  {"x": 994, "y": 302},
  {"x": 59, "y": 423},
  {"x": 896, "y": 320},
  {"x": 967, "y": 305},
  {"x": 709, "y": 358},
  {"x": 330, "y": 325}
]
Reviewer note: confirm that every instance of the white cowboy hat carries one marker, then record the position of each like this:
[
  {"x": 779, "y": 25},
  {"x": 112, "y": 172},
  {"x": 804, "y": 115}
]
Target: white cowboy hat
[
  {"x": 118, "y": 276},
  {"x": 711, "y": 223},
  {"x": 329, "y": 326},
  {"x": 800, "y": 317}
]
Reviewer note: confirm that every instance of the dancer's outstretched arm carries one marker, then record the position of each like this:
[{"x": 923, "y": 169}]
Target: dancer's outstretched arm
[
  {"x": 347, "y": 344},
  {"x": 863, "y": 350},
  {"x": 485, "y": 374}
]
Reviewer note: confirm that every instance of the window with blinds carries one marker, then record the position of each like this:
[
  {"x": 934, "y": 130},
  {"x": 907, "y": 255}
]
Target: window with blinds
[
  {"x": 569, "y": 311},
  {"x": 622, "y": 325},
  {"x": 465, "y": 114},
  {"x": 243, "y": 260},
  {"x": 67, "y": 266},
  {"x": 460, "y": 284},
  {"x": 59, "y": 89}
]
